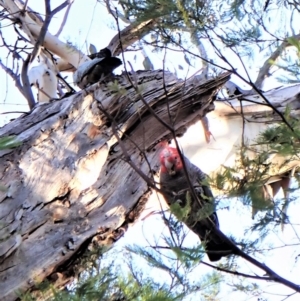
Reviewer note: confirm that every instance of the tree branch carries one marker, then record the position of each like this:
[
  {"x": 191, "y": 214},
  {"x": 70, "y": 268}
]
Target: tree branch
[
  {"x": 264, "y": 70},
  {"x": 31, "y": 25},
  {"x": 26, "y": 84},
  {"x": 44, "y": 29},
  {"x": 65, "y": 18},
  {"x": 15, "y": 78}
]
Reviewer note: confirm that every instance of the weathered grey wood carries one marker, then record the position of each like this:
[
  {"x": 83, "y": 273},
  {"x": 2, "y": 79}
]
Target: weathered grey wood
[{"x": 68, "y": 186}]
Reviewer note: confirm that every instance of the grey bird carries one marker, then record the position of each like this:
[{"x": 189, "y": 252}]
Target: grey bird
[{"x": 202, "y": 218}]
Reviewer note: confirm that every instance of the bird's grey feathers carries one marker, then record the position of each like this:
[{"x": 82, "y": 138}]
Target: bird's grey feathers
[{"x": 202, "y": 218}]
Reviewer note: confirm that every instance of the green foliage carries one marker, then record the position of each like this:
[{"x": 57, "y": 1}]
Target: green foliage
[
  {"x": 235, "y": 25},
  {"x": 249, "y": 287},
  {"x": 280, "y": 139},
  {"x": 114, "y": 87},
  {"x": 243, "y": 179},
  {"x": 294, "y": 42},
  {"x": 9, "y": 142},
  {"x": 289, "y": 63},
  {"x": 254, "y": 169},
  {"x": 113, "y": 281},
  {"x": 182, "y": 211},
  {"x": 172, "y": 16},
  {"x": 92, "y": 288},
  {"x": 179, "y": 265},
  {"x": 239, "y": 24}
]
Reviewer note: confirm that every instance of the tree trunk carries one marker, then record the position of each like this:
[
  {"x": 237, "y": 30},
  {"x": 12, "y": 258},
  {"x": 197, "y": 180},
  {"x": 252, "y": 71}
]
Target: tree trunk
[{"x": 69, "y": 185}]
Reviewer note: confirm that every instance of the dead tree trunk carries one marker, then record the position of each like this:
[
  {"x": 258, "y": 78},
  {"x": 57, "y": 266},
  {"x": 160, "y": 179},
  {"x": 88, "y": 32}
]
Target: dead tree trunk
[{"x": 70, "y": 184}]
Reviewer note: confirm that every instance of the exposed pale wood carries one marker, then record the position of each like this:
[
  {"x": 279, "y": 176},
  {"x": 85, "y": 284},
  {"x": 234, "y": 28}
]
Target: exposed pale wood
[
  {"x": 226, "y": 124},
  {"x": 130, "y": 34},
  {"x": 31, "y": 25},
  {"x": 68, "y": 186}
]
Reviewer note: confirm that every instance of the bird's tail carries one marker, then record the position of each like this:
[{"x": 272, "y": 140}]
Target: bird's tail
[{"x": 215, "y": 251}]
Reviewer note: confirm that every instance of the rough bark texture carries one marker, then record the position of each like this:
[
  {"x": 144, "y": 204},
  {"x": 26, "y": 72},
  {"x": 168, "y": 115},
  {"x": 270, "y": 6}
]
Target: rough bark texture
[{"x": 68, "y": 186}]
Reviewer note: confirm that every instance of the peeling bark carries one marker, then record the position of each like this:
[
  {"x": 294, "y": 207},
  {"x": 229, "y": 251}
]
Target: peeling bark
[{"x": 67, "y": 184}]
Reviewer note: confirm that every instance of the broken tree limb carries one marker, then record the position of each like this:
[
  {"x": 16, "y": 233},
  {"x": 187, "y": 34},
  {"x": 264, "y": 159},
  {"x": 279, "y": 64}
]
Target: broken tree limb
[{"x": 67, "y": 184}]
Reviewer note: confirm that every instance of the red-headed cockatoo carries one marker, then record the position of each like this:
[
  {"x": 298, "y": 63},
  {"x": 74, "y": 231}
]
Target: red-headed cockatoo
[{"x": 202, "y": 218}]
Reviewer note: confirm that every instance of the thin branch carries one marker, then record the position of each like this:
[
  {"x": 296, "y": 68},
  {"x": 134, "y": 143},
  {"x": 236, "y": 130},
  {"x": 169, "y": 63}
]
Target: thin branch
[
  {"x": 65, "y": 18},
  {"x": 264, "y": 70},
  {"x": 236, "y": 273},
  {"x": 25, "y": 5},
  {"x": 26, "y": 83},
  {"x": 131, "y": 82},
  {"x": 69, "y": 88},
  {"x": 14, "y": 112},
  {"x": 273, "y": 276},
  {"x": 119, "y": 15},
  {"x": 268, "y": 103},
  {"x": 44, "y": 29},
  {"x": 249, "y": 82},
  {"x": 15, "y": 77},
  {"x": 236, "y": 250},
  {"x": 153, "y": 113},
  {"x": 60, "y": 7}
]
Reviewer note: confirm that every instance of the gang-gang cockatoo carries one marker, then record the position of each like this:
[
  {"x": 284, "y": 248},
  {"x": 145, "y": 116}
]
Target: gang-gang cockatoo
[{"x": 201, "y": 218}]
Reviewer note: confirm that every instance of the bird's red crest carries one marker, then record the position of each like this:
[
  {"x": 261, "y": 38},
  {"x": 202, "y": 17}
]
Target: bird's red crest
[{"x": 170, "y": 160}]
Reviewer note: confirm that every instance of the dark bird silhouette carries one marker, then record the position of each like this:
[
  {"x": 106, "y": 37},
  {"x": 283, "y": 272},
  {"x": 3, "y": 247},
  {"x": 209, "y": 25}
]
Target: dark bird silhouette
[
  {"x": 103, "y": 53},
  {"x": 202, "y": 218},
  {"x": 93, "y": 71}
]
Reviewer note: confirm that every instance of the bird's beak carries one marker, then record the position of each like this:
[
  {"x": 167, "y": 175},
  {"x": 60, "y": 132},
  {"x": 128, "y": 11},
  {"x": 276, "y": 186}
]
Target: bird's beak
[{"x": 170, "y": 168}]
